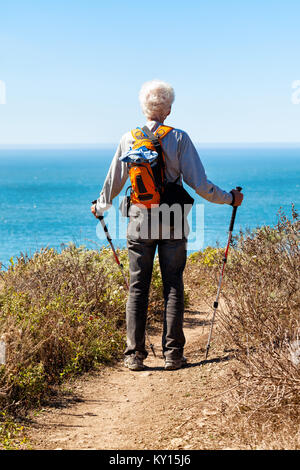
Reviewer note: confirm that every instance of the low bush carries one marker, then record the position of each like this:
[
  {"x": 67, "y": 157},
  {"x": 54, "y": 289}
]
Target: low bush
[
  {"x": 259, "y": 315},
  {"x": 61, "y": 314}
]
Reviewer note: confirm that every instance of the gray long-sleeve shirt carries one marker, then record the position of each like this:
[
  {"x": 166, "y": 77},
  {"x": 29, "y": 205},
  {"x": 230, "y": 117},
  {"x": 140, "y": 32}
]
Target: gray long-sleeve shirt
[{"x": 181, "y": 159}]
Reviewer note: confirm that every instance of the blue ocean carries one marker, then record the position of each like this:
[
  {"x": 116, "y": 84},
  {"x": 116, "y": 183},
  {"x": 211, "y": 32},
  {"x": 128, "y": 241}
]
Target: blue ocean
[{"x": 45, "y": 195}]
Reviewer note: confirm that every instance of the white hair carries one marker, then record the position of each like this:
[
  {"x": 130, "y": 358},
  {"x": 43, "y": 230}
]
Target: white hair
[{"x": 156, "y": 98}]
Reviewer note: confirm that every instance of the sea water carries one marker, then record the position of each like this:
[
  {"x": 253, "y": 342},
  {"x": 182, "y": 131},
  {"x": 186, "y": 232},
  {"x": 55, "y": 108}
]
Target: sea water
[{"x": 46, "y": 194}]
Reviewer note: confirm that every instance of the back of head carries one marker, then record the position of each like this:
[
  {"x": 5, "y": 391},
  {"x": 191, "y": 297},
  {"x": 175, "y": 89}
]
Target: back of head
[{"x": 156, "y": 98}]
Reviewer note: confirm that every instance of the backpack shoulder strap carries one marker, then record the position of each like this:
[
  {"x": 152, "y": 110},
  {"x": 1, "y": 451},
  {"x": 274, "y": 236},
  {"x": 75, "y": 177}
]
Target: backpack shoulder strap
[
  {"x": 156, "y": 143},
  {"x": 155, "y": 138},
  {"x": 162, "y": 131},
  {"x": 138, "y": 134},
  {"x": 141, "y": 139}
]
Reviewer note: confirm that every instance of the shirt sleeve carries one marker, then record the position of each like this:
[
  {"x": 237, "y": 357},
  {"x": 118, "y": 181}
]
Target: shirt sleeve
[
  {"x": 194, "y": 175},
  {"x": 114, "y": 182}
]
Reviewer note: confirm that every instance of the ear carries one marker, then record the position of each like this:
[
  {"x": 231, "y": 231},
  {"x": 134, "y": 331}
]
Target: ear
[{"x": 168, "y": 113}]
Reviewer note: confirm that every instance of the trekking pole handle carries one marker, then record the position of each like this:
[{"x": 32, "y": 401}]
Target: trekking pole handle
[
  {"x": 238, "y": 188},
  {"x": 100, "y": 217}
]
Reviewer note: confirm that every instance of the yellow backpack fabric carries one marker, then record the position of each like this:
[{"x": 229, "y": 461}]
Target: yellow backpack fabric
[{"x": 147, "y": 179}]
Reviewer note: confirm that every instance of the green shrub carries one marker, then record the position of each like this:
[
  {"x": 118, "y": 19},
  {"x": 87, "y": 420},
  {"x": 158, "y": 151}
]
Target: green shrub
[
  {"x": 62, "y": 314},
  {"x": 11, "y": 433}
]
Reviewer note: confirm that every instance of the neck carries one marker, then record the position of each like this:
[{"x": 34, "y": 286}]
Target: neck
[{"x": 161, "y": 121}]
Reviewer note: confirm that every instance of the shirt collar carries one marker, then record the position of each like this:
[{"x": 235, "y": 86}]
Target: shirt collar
[{"x": 153, "y": 125}]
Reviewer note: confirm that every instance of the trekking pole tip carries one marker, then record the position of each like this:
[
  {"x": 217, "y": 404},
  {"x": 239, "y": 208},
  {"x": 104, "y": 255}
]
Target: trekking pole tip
[
  {"x": 152, "y": 349},
  {"x": 206, "y": 352}
]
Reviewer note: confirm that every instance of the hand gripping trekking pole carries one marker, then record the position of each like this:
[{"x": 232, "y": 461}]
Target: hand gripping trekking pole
[
  {"x": 109, "y": 239},
  {"x": 216, "y": 303},
  {"x": 101, "y": 218}
]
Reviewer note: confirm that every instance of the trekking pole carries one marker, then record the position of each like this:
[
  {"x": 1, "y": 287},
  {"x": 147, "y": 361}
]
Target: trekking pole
[
  {"x": 216, "y": 303},
  {"x": 109, "y": 239}
]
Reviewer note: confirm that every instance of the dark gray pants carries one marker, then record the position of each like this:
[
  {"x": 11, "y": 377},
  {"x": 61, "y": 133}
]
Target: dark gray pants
[{"x": 172, "y": 259}]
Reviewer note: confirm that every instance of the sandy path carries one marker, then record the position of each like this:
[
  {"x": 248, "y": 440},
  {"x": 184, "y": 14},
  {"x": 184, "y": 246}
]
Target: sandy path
[{"x": 122, "y": 409}]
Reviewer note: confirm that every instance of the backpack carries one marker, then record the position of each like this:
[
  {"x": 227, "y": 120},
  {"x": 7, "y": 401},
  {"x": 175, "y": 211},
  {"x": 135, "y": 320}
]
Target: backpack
[{"x": 146, "y": 170}]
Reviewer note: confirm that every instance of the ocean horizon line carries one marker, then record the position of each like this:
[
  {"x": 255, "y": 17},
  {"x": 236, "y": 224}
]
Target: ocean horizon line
[{"x": 109, "y": 145}]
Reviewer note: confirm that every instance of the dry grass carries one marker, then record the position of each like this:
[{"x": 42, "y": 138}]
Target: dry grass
[
  {"x": 261, "y": 314},
  {"x": 61, "y": 314},
  {"x": 259, "y": 323}
]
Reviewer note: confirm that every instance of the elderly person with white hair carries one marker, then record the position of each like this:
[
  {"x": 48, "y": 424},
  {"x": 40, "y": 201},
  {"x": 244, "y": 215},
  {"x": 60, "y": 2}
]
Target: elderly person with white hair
[{"x": 182, "y": 163}]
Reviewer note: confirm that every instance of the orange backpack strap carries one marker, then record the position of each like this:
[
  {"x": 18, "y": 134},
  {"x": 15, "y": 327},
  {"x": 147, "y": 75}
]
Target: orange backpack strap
[
  {"x": 141, "y": 139},
  {"x": 155, "y": 139},
  {"x": 162, "y": 131},
  {"x": 147, "y": 180}
]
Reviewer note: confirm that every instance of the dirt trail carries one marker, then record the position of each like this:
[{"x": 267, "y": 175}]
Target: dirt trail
[{"x": 121, "y": 409}]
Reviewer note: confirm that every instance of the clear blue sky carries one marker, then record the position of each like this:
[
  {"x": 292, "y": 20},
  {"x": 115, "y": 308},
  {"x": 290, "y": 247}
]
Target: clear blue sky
[{"x": 73, "y": 68}]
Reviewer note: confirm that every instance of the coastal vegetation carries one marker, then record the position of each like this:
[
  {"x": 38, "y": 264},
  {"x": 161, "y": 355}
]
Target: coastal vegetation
[
  {"x": 63, "y": 313},
  {"x": 259, "y": 326}
]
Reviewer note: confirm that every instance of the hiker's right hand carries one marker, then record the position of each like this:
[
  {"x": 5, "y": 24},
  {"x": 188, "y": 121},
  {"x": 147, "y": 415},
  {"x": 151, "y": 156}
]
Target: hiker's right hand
[
  {"x": 93, "y": 210},
  {"x": 238, "y": 197}
]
